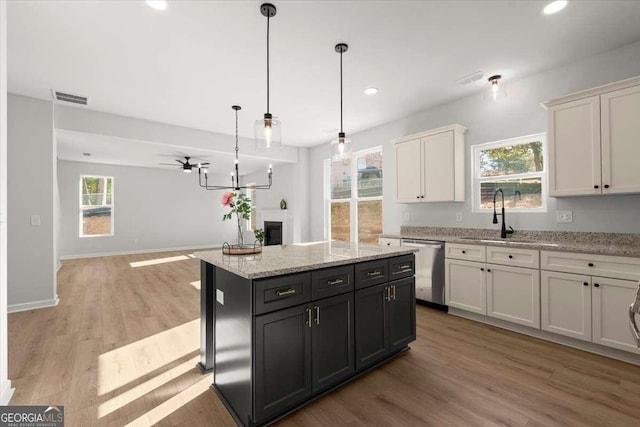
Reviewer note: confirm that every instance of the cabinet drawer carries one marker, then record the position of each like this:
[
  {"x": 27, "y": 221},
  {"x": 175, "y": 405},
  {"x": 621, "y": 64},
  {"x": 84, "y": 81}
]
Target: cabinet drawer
[
  {"x": 595, "y": 265},
  {"x": 281, "y": 292},
  {"x": 331, "y": 281},
  {"x": 529, "y": 258},
  {"x": 401, "y": 267},
  {"x": 371, "y": 273},
  {"x": 389, "y": 241},
  {"x": 465, "y": 252}
]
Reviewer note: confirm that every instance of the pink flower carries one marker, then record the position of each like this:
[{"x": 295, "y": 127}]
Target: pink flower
[{"x": 226, "y": 199}]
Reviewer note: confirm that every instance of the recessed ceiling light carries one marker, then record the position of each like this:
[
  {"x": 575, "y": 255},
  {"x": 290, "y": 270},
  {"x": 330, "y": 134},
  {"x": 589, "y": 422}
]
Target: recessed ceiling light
[
  {"x": 157, "y": 4},
  {"x": 555, "y": 7},
  {"x": 371, "y": 90}
]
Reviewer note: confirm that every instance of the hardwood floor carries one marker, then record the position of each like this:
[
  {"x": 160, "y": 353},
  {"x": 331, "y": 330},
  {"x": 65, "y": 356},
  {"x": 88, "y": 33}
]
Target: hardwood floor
[{"x": 121, "y": 349}]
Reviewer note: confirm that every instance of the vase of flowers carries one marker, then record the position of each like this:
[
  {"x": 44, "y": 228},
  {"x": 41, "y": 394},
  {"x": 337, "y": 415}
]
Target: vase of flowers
[{"x": 240, "y": 205}]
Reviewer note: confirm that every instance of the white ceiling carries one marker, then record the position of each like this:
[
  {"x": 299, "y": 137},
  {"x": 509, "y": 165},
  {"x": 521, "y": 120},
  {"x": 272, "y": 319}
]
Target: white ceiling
[{"x": 186, "y": 65}]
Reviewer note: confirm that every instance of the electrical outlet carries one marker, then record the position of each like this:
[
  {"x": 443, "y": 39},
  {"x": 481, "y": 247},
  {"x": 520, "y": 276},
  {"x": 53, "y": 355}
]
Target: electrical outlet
[
  {"x": 458, "y": 216},
  {"x": 564, "y": 216},
  {"x": 35, "y": 219},
  {"x": 407, "y": 217}
]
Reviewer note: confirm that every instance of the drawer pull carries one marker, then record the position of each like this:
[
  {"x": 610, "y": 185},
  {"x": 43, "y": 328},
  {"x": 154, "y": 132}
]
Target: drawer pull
[
  {"x": 464, "y": 252},
  {"x": 374, "y": 273},
  {"x": 481, "y": 269},
  {"x": 510, "y": 256},
  {"x": 596, "y": 285},
  {"x": 488, "y": 270},
  {"x": 586, "y": 283},
  {"x": 406, "y": 270},
  {"x": 286, "y": 292},
  {"x": 335, "y": 282},
  {"x": 405, "y": 267},
  {"x": 590, "y": 264}
]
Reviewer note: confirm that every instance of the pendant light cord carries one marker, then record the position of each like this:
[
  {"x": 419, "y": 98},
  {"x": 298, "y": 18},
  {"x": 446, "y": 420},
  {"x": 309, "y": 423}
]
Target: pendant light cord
[
  {"x": 237, "y": 174},
  {"x": 268, "y": 19},
  {"x": 341, "y": 92}
]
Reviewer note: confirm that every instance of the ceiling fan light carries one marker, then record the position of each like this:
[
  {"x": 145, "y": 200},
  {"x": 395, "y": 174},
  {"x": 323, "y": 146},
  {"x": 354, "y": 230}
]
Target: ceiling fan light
[
  {"x": 187, "y": 170},
  {"x": 157, "y": 4}
]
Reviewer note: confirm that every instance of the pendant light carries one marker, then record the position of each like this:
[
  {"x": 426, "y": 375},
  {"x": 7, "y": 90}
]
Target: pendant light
[
  {"x": 267, "y": 129},
  {"x": 341, "y": 146},
  {"x": 497, "y": 90},
  {"x": 235, "y": 175}
]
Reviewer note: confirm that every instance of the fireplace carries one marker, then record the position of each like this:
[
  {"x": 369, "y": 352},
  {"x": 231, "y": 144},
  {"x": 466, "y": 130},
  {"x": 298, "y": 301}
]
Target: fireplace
[{"x": 272, "y": 233}]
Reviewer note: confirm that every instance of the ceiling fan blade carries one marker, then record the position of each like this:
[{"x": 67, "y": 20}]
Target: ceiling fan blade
[
  {"x": 181, "y": 162},
  {"x": 204, "y": 164},
  {"x": 170, "y": 164}
]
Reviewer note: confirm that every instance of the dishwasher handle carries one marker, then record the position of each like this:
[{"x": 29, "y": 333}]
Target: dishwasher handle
[{"x": 419, "y": 244}]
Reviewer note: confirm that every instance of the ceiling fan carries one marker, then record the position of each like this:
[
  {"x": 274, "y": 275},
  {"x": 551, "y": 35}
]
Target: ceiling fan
[{"x": 187, "y": 167}]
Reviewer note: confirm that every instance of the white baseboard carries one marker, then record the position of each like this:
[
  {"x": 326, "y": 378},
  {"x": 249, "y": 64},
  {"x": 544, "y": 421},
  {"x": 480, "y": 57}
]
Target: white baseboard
[
  {"x": 549, "y": 336},
  {"x": 5, "y": 393},
  {"x": 14, "y": 308},
  {"x": 141, "y": 251}
]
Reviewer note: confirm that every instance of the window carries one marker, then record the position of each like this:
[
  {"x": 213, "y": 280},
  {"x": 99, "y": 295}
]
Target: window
[
  {"x": 517, "y": 166},
  {"x": 251, "y": 194},
  {"x": 354, "y": 197},
  {"x": 96, "y": 206}
]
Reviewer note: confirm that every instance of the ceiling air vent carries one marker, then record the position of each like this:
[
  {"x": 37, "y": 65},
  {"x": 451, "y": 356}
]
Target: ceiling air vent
[
  {"x": 67, "y": 97},
  {"x": 473, "y": 77}
]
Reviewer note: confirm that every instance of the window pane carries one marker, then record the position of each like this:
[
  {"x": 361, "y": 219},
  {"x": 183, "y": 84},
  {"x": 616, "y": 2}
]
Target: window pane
[
  {"x": 370, "y": 175},
  {"x": 518, "y": 193},
  {"x": 369, "y": 221},
  {"x": 96, "y": 210},
  {"x": 509, "y": 160},
  {"x": 341, "y": 179},
  {"x": 341, "y": 221}
]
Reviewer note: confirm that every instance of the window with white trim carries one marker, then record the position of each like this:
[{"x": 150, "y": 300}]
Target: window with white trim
[
  {"x": 515, "y": 165},
  {"x": 353, "y": 197},
  {"x": 251, "y": 194},
  {"x": 96, "y": 206}
]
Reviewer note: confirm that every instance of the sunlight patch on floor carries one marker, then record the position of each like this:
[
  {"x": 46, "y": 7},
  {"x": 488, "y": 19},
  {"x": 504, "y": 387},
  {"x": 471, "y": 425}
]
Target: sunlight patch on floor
[
  {"x": 119, "y": 367},
  {"x": 196, "y": 284},
  {"x": 173, "y": 404},
  {"x": 138, "y": 391},
  {"x": 158, "y": 261}
]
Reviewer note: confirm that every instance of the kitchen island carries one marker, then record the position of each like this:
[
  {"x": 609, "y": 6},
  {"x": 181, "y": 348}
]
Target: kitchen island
[{"x": 284, "y": 327}]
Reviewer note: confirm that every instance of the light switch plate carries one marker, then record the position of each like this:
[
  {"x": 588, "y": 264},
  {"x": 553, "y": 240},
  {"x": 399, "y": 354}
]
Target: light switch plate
[
  {"x": 458, "y": 216},
  {"x": 220, "y": 296},
  {"x": 564, "y": 216},
  {"x": 35, "y": 219}
]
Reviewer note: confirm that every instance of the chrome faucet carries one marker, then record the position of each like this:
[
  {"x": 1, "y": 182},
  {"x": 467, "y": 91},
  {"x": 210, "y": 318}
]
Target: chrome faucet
[{"x": 503, "y": 230}]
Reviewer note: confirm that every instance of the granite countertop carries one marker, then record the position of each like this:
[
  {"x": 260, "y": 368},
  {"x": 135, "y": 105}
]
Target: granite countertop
[
  {"x": 285, "y": 259},
  {"x": 619, "y": 244}
]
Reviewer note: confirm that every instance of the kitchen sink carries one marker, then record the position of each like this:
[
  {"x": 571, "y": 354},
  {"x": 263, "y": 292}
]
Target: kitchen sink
[{"x": 512, "y": 241}]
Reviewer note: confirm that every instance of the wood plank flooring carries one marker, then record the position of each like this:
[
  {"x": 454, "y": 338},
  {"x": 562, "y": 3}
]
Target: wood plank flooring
[{"x": 121, "y": 349}]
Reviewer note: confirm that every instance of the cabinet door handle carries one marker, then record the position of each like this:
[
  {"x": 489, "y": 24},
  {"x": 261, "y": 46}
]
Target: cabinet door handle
[
  {"x": 464, "y": 252},
  {"x": 284, "y": 293},
  {"x": 387, "y": 294},
  {"x": 606, "y": 186},
  {"x": 586, "y": 283},
  {"x": 308, "y": 322},
  {"x": 335, "y": 282},
  {"x": 374, "y": 273},
  {"x": 596, "y": 186},
  {"x": 596, "y": 285},
  {"x": 510, "y": 256},
  {"x": 422, "y": 197},
  {"x": 393, "y": 288},
  {"x": 417, "y": 197},
  {"x": 481, "y": 268},
  {"x": 488, "y": 270},
  {"x": 590, "y": 264},
  {"x": 317, "y": 314}
]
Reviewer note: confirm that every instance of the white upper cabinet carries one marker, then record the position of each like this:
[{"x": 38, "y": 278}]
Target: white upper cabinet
[
  {"x": 430, "y": 166},
  {"x": 594, "y": 141}
]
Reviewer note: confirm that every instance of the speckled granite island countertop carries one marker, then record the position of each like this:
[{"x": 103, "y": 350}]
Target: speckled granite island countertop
[
  {"x": 618, "y": 244},
  {"x": 285, "y": 259}
]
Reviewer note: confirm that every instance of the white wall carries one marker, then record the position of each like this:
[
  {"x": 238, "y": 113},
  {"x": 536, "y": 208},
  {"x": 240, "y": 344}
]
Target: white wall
[
  {"x": 291, "y": 183},
  {"x": 5, "y": 384},
  {"x": 31, "y": 278},
  {"x": 153, "y": 209},
  {"x": 519, "y": 114}
]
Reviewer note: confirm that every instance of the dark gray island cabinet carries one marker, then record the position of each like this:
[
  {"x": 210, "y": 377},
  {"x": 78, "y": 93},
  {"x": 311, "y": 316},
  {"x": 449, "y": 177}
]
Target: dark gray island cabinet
[{"x": 282, "y": 340}]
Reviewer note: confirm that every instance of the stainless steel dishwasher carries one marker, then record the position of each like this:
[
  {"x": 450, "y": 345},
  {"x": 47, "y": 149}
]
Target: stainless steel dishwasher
[{"x": 429, "y": 270}]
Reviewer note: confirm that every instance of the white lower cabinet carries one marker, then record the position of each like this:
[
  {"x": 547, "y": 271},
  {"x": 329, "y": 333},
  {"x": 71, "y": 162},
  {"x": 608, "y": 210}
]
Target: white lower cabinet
[
  {"x": 610, "y": 301},
  {"x": 465, "y": 285},
  {"x": 513, "y": 294},
  {"x": 589, "y": 308},
  {"x": 566, "y": 304}
]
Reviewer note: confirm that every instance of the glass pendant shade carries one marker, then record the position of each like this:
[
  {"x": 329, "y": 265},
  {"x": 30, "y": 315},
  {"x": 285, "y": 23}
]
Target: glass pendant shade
[
  {"x": 340, "y": 148},
  {"x": 268, "y": 134},
  {"x": 497, "y": 90}
]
